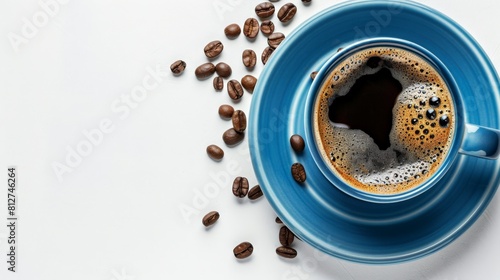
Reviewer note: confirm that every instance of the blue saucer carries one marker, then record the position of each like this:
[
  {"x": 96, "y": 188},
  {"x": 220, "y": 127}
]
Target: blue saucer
[{"x": 318, "y": 212}]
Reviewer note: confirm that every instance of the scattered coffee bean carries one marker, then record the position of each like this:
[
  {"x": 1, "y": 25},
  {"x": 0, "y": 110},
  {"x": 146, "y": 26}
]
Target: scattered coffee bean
[
  {"x": 240, "y": 187},
  {"x": 278, "y": 220},
  {"x": 243, "y": 250},
  {"x": 286, "y": 252},
  {"x": 251, "y": 28},
  {"x": 306, "y": 2},
  {"x": 297, "y": 143},
  {"x": 255, "y": 192},
  {"x": 314, "y": 74},
  {"x": 248, "y": 82},
  {"x": 205, "y": 70},
  {"x": 264, "y": 10},
  {"x": 232, "y": 31},
  {"x": 215, "y": 152},
  {"x": 213, "y": 49},
  {"x": 234, "y": 89},
  {"x": 231, "y": 137},
  {"x": 298, "y": 172},
  {"x": 239, "y": 120},
  {"x": 287, "y": 12},
  {"x": 286, "y": 237},
  {"x": 178, "y": 67},
  {"x": 223, "y": 69},
  {"x": 210, "y": 218},
  {"x": 275, "y": 39},
  {"x": 267, "y": 27},
  {"x": 249, "y": 58},
  {"x": 266, "y": 54},
  {"x": 274, "y": 0},
  {"x": 218, "y": 83},
  {"x": 226, "y": 111}
]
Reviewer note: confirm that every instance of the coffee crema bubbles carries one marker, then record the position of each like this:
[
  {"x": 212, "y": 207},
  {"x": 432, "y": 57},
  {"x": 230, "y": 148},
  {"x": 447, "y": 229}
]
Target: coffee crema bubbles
[{"x": 384, "y": 119}]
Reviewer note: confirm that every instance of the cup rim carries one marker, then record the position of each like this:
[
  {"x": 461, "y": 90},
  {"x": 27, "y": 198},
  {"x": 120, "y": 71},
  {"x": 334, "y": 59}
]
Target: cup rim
[{"x": 312, "y": 143}]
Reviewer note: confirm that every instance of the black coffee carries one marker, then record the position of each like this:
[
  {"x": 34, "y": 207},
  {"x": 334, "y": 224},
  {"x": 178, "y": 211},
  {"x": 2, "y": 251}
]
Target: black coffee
[{"x": 384, "y": 120}]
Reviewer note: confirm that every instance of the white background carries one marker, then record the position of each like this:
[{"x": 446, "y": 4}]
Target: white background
[{"x": 116, "y": 214}]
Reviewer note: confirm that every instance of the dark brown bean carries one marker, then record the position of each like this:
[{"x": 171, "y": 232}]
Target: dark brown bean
[
  {"x": 251, "y": 28},
  {"x": 205, "y": 70},
  {"x": 240, "y": 187},
  {"x": 286, "y": 252},
  {"x": 243, "y": 250},
  {"x": 234, "y": 89},
  {"x": 287, "y": 12},
  {"x": 264, "y": 9},
  {"x": 248, "y": 82},
  {"x": 231, "y": 137},
  {"x": 178, "y": 67},
  {"x": 218, "y": 83},
  {"x": 275, "y": 39},
  {"x": 215, "y": 152},
  {"x": 210, "y": 218},
  {"x": 278, "y": 220},
  {"x": 274, "y": 0},
  {"x": 213, "y": 49},
  {"x": 255, "y": 192},
  {"x": 306, "y": 2},
  {"x": 249, "y": 58},
  {"x": 266, "y": 54},
  {"x": 297, "y": 143},
  {"x": 226, "y": 111},
  {"x": 267, "y": 27},
  {"x": 239, "y": 120},
  {"x": 298, "y": 172},
  {"x": 286, "y": 237},
  {"x": 232, "y": 31},
  {"x": 223, "y": 69},
  {"x": 314, "y": 74}
]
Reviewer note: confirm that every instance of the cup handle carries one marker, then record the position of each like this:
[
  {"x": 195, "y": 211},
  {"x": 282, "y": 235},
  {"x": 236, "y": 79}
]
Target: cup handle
[{"x": 482, "y": 142}]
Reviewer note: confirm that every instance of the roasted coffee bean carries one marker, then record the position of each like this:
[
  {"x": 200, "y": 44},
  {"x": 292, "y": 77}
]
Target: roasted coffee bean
[
  {"x": 286, "y": 252},
  {"x": 287, "y": 12},
  {"x": 232, "y": 31},
  {"x": 226, "y": 111},
  {"x": 249, "y": 58},
  {"x": 266, "y": 54},
  {"x": 286, "y": 237},
  {"x": 239, "y": 120},
  {"x": 251, "y": 28},
  {"x": 218, "y": 83},
  {"x": 240, "y": 187},
  {"x": 275, "y": 39},
  {"x": 248, "y": 82},
  {"x": 213, "y": 49},
  {"x": 314, "y": 74},
  {"x": 210, "y": 218},
  {"x": 178, "y": 67},
  {"x": 243, "y": 250},
  {"x": 205, "y": 70},
  {"x": 278, "y": 220},
  {"x": 306, "y": 2},
  {"x": 267, "y": 27},
  {"x": 274, "y": 0},
  {"x": 215, "y": 152},
  {"x": 264, "y": 9},
  {"x": 223, "y": 69},
  {"x": 234, "y": 89},
  {"x": 231, "y": 137},
  {"x": 298, "y": 172},
  {"x": 255, "y": 192},
  {"x": 297, "y": 143}
]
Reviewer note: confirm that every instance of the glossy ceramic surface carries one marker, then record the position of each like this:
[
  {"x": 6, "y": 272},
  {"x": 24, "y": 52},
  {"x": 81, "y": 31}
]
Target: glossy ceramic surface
[{"x": 326, "y": 217}]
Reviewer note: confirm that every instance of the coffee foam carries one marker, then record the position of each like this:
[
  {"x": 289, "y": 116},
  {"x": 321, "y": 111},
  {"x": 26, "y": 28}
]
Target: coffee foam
[{"x": 418, "y": 144}]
